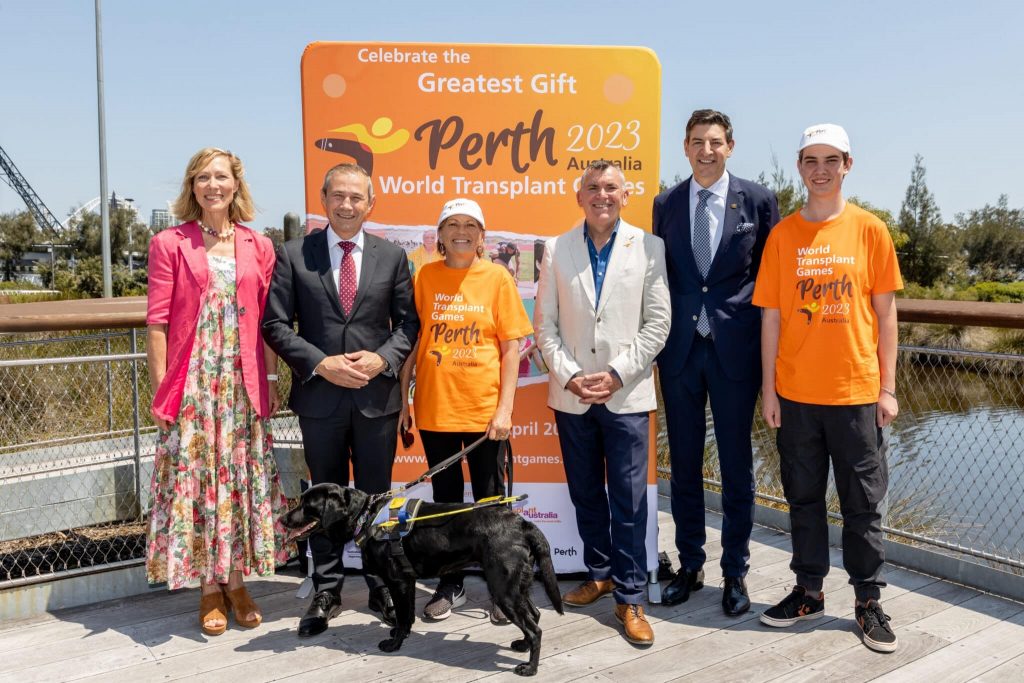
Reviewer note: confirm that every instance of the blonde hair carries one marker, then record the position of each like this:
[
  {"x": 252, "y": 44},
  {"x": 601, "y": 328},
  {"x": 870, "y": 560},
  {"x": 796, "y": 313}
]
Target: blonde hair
[{"x": 186, "y": 208}]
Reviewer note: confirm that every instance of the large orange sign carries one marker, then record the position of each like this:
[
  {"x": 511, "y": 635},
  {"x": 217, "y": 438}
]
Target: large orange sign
[{"x": 511, "y": 126}]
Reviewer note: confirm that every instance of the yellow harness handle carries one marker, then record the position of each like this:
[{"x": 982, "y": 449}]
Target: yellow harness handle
[{"x": 483, "y": 502}]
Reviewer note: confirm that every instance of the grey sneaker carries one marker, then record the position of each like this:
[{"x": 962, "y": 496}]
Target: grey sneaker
[
  {"x": 447, "y": 597},
  {"x": 875, "y": 628},
  {"x": 498, "y": 617}
]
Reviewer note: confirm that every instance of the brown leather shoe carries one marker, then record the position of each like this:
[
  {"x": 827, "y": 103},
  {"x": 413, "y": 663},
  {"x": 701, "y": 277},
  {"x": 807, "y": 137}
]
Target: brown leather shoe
[
  {"x": 587, "y": 593},
  {"x": 637, "y": 630}
]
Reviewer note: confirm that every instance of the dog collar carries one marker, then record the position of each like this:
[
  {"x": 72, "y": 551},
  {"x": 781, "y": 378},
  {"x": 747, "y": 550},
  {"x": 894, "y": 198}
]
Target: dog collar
[{"x": 361, "y": 526}]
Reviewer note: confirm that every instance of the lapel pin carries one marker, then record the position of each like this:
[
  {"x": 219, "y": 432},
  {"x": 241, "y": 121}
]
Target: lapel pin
[{"x": 732, "y": 206}]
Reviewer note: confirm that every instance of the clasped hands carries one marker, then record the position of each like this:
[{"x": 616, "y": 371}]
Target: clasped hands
[
  {"x": 595, "y": 388},
  {"x": 351, "y": 370}
]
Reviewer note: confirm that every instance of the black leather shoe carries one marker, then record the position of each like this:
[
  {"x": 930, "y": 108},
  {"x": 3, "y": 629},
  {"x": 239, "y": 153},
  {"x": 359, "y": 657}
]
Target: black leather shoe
[
  {"x": 325, "y": 606},
  {"x": 381, "y": 603},
  {"x": 734, "y": 596},
  {"x": 685, "y": 582}
]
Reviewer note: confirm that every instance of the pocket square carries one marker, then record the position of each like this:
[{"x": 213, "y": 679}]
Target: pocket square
[{"x": 744, "y": 228}]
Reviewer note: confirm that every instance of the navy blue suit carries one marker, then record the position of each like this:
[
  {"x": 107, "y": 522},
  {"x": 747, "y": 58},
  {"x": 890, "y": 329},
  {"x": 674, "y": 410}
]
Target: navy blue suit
[{"x": 725, "y": 366}]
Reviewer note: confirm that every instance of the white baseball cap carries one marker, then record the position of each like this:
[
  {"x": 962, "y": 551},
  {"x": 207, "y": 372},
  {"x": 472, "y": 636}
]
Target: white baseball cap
[
  {"x": 826, "y": 134},
  {"x": 465, "y": 207}
]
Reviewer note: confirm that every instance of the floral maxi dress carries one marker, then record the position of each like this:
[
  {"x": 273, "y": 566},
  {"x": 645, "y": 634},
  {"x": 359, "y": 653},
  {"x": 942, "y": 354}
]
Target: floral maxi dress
[{"x": 216, "y": 493}]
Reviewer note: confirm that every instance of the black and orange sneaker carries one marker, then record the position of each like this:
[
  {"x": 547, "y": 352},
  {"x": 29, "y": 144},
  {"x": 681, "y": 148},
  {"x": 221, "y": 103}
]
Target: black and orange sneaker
[
  {"x": 874, "y": 627},
  {"x": 794, "y": 607}
]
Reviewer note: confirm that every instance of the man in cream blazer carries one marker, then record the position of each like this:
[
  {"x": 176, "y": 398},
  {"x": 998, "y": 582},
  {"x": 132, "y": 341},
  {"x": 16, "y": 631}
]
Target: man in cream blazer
[{"x": 602, "y": 315}]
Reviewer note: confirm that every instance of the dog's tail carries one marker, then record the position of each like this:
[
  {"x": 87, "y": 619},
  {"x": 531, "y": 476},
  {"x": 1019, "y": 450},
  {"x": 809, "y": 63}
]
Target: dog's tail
[{"x": 542, "y": 555}]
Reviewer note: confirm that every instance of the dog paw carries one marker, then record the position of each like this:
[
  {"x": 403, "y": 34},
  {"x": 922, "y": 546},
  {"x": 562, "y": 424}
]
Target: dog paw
[
  {"x": 525, "y": 669},
  {"x": 390, "y": 645},
  {"x": 521, "y": 646}
]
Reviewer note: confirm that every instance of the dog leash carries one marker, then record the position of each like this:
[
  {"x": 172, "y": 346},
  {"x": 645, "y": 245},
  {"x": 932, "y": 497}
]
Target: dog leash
[
  {"x": 439, "y": 467},
  {"x": 505, "y": 448}
]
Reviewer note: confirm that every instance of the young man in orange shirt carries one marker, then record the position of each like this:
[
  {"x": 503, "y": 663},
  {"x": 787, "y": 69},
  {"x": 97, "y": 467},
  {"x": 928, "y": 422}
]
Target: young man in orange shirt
[{"x": 827, "y": 288}]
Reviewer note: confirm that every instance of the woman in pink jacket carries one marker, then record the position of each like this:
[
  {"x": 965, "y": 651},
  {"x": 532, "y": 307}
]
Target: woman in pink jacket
[{"x": 216, "y": 492}]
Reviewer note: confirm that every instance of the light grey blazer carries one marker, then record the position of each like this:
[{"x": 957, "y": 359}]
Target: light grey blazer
[{"x": 625, "y": 330}]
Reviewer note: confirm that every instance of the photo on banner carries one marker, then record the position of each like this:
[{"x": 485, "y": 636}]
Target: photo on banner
[{"x": 512, "y": 127}]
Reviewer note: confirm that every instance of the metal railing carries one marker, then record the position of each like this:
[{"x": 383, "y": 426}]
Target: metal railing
[
  {"x": 76, "y": 454},
  {"x": 955, "y": 455},
  {"x": 71, "y": 453}
]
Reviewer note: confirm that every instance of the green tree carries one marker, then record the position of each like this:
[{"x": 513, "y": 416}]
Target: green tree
[
  {"x": 87, "y": 279},
  {"x": 993, "y": 238},
  {"x": 662, "y": 185},
  {"x": 87, "y": 232},
  {"x": 925, "y": 254},
  {"x": 885, "y": 215},
  {"x": 17, "y": 233},
  {"x": 789, "y": 192},
  {"x": 275, "y": 235}
]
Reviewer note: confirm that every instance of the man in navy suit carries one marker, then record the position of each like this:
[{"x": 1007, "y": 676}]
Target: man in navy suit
[{"x": 714, "y": 226}]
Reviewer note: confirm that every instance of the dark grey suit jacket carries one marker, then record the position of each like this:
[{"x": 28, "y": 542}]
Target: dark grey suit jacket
[{"x": 383, "y": 319}]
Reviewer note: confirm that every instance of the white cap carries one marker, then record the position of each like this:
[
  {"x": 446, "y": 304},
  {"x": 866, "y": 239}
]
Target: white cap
[
  {"x": 826, "y": 134},
  {"x": 465, "y": 207}
]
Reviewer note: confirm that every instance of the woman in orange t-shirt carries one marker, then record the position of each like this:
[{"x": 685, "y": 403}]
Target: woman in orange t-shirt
[{"x": 467, "y": 365}]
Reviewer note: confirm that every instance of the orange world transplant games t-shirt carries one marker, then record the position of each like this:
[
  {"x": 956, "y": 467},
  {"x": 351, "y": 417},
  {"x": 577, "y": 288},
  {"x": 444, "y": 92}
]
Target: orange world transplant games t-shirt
[
  {"x": 464, "y": 315},
  {"x": 821, "y": 277}
]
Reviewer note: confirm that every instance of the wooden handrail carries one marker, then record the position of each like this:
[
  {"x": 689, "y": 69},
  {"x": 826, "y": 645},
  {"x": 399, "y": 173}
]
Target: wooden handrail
[
  {"x": 965, "y": 313},
  {"x": 126, "y": 312},
  {"x": 74, "y": 314}
]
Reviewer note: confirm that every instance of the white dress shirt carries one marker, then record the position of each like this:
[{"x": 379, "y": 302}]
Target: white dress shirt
[
  {"x": 337, "y": 252},
  {"x": 716, "y": 203}
]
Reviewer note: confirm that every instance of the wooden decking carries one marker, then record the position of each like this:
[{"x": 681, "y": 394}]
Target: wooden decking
[{"x": 947, "y": 633}]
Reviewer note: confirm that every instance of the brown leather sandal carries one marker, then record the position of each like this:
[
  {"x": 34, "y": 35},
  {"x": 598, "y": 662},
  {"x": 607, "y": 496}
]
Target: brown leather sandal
[
  {"x": 242, "y": 604},
  {"x": 211, "y": 606}
]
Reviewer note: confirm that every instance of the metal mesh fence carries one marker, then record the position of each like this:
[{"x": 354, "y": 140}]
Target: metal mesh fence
[
  {"x": 77, "y": 442},
  {"x": 956, "y": 456},
  {"x": 76, "y": 451},
  {"x": 71, "y": 445}
]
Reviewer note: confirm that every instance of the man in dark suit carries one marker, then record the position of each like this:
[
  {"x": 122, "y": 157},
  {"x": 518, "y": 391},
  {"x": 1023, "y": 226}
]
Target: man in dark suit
[
  {"x": 351, "y": 294},
  {"x": 714, "y": 226}
]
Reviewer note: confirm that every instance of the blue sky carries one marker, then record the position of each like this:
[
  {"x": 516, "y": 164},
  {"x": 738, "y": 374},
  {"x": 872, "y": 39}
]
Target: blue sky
[{"x": 942, "y": 79}]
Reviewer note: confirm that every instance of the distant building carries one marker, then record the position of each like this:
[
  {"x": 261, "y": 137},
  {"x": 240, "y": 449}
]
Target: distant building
[
  {"x": 124, "y": 203},
  {"x": 160, "y": 219}
]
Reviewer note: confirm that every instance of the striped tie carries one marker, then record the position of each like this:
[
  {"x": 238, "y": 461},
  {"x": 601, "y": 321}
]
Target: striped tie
[{"x": 702, "y": 249}]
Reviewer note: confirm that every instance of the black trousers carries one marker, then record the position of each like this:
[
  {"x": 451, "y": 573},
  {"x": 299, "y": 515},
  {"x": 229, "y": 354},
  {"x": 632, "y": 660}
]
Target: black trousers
[
  {"x": 485, "y": 471},
  {"x": 810, "y": 436},
  {"x": 331, "y": 444}
]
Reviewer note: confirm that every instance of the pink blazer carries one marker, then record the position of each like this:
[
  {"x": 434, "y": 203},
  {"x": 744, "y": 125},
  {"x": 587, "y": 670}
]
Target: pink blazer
[{"x": 178, "y": 278}]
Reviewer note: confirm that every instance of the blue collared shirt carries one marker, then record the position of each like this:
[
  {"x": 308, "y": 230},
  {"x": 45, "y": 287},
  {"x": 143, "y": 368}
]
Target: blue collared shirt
[{"x": 599, "y": 259}]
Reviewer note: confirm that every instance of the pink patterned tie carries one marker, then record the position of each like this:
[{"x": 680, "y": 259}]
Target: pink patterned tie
[{"x": 347, "y": 277}]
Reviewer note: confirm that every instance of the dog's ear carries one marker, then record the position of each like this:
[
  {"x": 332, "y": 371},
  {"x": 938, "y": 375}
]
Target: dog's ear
[{"x": 341, "y": 512}]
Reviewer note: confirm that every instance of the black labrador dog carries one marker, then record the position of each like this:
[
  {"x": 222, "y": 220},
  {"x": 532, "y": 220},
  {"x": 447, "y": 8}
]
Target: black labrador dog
[{"x": 497, "y": 538}]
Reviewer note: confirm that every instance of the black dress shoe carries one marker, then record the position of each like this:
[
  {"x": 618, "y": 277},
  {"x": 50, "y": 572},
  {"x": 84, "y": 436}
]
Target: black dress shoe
[
  {"x": 325, "y": 606},
  {"x": 685, "y": 582},
  {"x": 734, "y": 596},
  {"x": 381, "y": 603}
]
